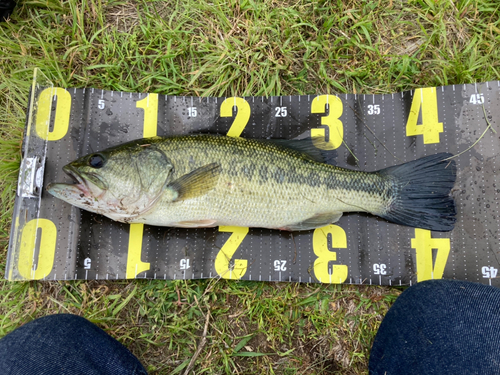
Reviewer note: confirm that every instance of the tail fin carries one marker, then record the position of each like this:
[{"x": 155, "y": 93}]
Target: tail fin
[{"x": 422, "y": 193}]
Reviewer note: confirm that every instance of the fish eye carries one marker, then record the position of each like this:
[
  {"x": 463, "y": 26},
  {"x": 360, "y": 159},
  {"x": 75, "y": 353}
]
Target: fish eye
[{"x": 96, "y": 161}]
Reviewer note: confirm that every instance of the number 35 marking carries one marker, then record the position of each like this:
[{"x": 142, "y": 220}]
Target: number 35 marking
[{"x": 374, "y": 109}]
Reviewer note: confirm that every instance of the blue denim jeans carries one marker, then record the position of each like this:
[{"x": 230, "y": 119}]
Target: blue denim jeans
[
  {"x": 65, "y": 344},
  {"x": 442, "y": 327}
]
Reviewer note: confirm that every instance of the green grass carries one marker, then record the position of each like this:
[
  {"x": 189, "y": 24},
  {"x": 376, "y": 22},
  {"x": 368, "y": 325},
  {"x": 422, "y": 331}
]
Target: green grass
[{"x": 223, "y": 48}]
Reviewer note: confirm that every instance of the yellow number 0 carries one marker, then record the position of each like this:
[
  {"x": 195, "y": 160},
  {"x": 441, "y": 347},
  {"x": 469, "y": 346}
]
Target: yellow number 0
[
  {"x": 325, "y": 255},
  {"x": 48, "y": 237},
  {"x": 48, "y": 233},
  {"x": 61, "y": 121},
  {"x": 134, "y": 263},
  {"x": 332, "y": 121}
]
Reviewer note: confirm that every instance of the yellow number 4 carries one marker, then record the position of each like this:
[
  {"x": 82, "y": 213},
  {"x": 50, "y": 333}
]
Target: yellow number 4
[
  {"x": 423, "y": 244},
  {"x": 425, "y": 99}
]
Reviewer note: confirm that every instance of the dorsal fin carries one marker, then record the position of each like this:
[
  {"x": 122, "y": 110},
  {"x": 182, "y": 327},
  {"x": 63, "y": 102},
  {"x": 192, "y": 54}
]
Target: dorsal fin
[{"x": 306, "y": 147}]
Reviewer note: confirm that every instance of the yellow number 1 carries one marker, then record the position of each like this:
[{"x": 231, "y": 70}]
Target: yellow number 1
[
  {"x": 150, "y": 106},
  {"x": 134, "y": 263},
  {"x": 425, "y": 99}
]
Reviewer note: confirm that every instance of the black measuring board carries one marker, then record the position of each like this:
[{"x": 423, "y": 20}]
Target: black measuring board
[{"x": 50, "y": 239}]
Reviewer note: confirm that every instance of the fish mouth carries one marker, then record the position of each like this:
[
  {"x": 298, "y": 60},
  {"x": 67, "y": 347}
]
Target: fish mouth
[
  {"x": 85, "y": 186},
  {"x": 77, "y": 177},
  {"x": 71, "y": 191},
  {"x": 88, "y": 183}
]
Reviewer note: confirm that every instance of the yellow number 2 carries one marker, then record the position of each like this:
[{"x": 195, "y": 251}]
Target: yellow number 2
[
  {"x": 242, "y": 116},
  {"x": 335, "y": 135},
  {"x": 224, "y": 256},
  {"x": 227, "y": 251},
  {"x": 425, "y": 99},
  {"x": 423, "y": 243},
  {"x": 325, "y": 255}
]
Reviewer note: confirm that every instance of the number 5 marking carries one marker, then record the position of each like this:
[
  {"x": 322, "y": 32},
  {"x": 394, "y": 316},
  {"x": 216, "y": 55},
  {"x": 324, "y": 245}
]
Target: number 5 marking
[
  {"x": 242, "y": 114},
  {"x": 227, "y": 251},
  {"x": 423, "y": 243},
  {"x": 322, "y": 250},
  {"x": 425, "y": 99},
  {"x": 334, "y": 126}
]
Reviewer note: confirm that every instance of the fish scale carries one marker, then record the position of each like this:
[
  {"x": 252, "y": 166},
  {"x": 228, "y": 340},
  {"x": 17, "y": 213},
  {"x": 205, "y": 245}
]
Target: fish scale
[
  {"x": 207, "y": 180},
  {"x": 281, "y": 195}
]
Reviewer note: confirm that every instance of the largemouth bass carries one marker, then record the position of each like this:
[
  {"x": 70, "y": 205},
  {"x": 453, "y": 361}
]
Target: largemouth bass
[{"x": 199, "y": 181}]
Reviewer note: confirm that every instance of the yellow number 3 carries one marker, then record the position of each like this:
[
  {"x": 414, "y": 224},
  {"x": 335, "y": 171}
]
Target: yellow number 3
[
  {"x": 325, "y": 255},
  {"x": 332, "y": 139}
]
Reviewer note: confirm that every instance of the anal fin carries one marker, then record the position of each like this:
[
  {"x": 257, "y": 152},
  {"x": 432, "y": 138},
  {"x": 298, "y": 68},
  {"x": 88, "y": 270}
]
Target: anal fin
[
  {"x": 316, "y": 221},
  {"x": 196, "y": 224}
]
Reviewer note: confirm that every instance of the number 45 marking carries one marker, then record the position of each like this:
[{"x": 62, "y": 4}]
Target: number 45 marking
[{"x": 476, "y": 99}]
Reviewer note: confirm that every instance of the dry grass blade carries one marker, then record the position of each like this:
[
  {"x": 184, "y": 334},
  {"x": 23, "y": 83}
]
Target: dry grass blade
[{"x": 200, "y": 345}]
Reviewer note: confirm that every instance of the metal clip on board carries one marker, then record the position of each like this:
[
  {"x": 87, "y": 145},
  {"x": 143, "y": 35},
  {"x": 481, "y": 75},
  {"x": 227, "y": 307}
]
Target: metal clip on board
[{"x": 30, "y": 183}]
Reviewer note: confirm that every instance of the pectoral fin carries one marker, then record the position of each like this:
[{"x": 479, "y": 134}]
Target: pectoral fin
[
  {"x": 316, "y": 221},
  {"x": 196, "y": 183}
]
